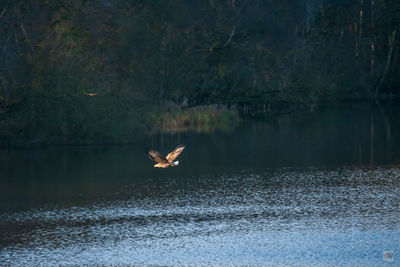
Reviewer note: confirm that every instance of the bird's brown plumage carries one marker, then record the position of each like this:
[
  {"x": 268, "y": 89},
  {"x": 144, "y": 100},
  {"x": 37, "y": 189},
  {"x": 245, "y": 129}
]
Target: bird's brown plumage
[
  {"x": 164, "y": 162},
  {"x": 156, "y": 156},
  {"x": 174, "y": 154}
]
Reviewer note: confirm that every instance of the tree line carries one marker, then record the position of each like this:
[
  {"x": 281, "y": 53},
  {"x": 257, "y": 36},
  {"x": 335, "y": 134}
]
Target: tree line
[{"x": 81, "y": 71}]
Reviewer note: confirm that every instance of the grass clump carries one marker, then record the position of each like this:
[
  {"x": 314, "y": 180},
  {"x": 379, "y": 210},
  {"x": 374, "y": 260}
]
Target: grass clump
[{"x": 199, "y": 119}]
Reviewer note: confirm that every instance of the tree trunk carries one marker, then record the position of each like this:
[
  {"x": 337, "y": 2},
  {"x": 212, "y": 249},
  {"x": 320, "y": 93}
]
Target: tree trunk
[{"x": 388, "y": 63}]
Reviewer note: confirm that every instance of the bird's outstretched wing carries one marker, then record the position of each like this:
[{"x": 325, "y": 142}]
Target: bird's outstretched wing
[
  {"x": 156, "y": 156},
  {"x": 174, "y": 154}
]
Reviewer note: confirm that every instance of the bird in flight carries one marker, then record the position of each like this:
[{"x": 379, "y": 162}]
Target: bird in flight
[{"x": 168, "y": 160}]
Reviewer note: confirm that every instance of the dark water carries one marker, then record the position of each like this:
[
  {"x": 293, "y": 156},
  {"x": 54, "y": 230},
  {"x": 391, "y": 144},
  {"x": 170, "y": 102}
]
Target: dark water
[{"x": 321, "y": 189}]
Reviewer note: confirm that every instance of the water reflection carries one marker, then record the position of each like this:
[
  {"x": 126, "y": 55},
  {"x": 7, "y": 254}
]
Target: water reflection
[
  {"x": 215, "y": 217},
  {"x": 320, "y": 188}
]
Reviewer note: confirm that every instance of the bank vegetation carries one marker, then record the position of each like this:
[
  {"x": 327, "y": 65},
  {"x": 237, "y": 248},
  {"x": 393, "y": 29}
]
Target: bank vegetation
[{"x": 107, "y": 71}]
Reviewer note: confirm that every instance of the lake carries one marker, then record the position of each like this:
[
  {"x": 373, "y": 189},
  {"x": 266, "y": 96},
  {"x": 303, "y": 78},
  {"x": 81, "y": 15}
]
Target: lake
[{"x": 319, "y": 188}]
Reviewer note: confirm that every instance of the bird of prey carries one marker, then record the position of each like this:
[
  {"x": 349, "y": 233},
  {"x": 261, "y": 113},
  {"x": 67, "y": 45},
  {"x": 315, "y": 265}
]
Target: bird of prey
[{"x": 168, "y": 160}]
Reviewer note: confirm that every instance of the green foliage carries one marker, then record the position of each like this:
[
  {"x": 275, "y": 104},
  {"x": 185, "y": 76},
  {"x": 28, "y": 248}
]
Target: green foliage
[
  {"x": 74, "y": 71},
  {"x": 76, "y": 120}
]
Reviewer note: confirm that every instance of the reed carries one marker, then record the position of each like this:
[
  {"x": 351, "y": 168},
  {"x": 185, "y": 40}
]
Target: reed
[{"x": 199, "y": 119}]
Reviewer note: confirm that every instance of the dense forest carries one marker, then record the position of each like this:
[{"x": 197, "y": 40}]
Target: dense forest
[{"x": 104, "y": 71}]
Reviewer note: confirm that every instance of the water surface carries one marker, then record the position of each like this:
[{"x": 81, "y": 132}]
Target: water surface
[{"x": 319, "y": 189}]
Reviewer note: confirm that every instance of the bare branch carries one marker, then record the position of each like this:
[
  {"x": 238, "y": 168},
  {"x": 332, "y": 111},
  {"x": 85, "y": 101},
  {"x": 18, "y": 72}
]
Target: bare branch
[
  {"x": 3, "y": 12},
  {"x": 27, "y": 38},
  {"x": 230, "y": 37}
]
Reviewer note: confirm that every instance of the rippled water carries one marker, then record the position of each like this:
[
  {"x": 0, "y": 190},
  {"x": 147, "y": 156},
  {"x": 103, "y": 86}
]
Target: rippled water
[
  {"x": 108, "y": 206},
  {"x": 344, "y": 216}
]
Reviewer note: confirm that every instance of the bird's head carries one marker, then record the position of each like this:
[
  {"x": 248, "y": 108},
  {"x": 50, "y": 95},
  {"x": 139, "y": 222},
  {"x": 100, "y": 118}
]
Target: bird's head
[{"x": 176, "y": 163}]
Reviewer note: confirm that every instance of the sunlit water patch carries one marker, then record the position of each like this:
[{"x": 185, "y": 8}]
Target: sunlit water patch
[{"x": 312, "y": 216}]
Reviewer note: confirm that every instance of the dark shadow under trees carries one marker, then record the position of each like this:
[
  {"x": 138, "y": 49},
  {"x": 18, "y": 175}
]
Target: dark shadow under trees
[{"x": 90, "y": 71}]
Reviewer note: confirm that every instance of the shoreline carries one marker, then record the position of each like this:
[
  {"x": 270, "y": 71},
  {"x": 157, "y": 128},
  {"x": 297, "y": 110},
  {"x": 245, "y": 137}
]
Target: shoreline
[{"x": 171, "y": 119}]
